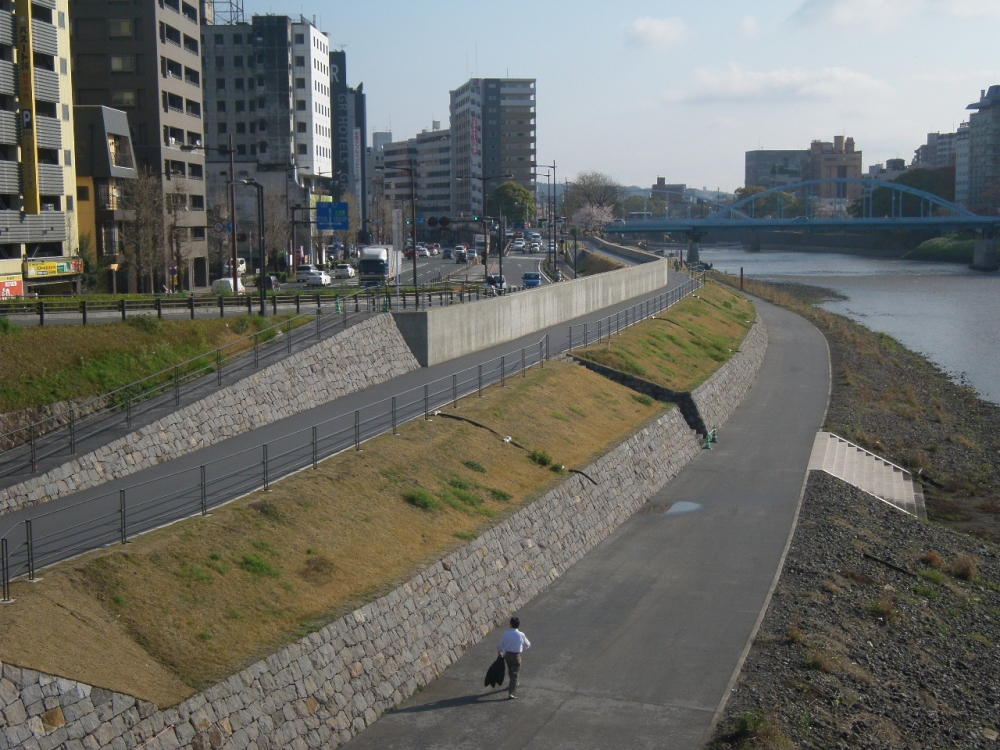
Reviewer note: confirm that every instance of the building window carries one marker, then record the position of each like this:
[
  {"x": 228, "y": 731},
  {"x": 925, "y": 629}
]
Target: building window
[
  {"x": 220, "y": 62},
  {"x": 239, "y": 84},
  {"x": 219, "y": 39},
  {"x": 191, "y": 44},
  {"x": 192, "y": 76},
  {"x": 260, "y": 81},
  {"x": 220, "y": 84},
  {"x": 241, "y": 150},
  {"x": 253, "y": 150},
  {"x": 222, "y": 128},
  {"x": 68, "y": 158},
  {"x": 196, "y": 172},
  {"x": 300, "y": 38},
  {"x": 197, "y": 233},
  {"x": 220, "y": 105},
  {"x": 300, "y": 83},
  {"x": 263, "y": 147},
  {"x": 240, "y": 105},
  {"x": 241, "y": 128},
  {"x": 170, "y": 34},
  {"x": 300, "y": 127},
  {"x": 300, "y": 61},
  {"x": 65, "y": 112},
  {"x": 262, "y": 126},
  {"x": 193, "y": 108},
  {"x": 300, "y": 105},
  {"x": 191, "y": 13},
  {"x": 237, "y": 39},
  {"x": 238, "y": 61},
  {"x": 194, "y": 139},
  {"x": 120, "y": 28},
  {"x": 122, "y": 98},
  {"x": 197, "y": 202},
  {"x": 303, "y": 149},
  {"x": 262, "y": 102},
  {"x": 83, "y": 193},
  {"x": 122, "y": 63}
]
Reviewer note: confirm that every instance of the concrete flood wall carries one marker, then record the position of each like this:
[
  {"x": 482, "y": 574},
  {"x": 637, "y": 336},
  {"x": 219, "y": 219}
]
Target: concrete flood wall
[
  {"x": 443, "y": 333},
  {"x": 370, "y": 352},
  {"x": 327, "y": 687},
  {"x": 639, "y": 256}
]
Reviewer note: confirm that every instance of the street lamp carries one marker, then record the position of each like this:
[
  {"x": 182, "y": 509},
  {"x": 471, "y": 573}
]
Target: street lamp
[
  {"x": 412, "y": 171},
  {"x": 501, "y": 228},
  {"x": 260, "y": 235},
  {"x": 231, "y": 153}
]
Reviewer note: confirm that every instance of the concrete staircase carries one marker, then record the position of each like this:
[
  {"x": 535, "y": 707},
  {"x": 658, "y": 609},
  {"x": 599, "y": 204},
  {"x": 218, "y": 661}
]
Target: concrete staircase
[{"x": 867, "y": 472}]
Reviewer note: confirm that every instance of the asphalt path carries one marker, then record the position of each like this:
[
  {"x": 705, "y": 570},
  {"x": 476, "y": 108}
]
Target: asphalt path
[
  {"x": 637, "y": 644},
  {"x": 159, "y": 494}
]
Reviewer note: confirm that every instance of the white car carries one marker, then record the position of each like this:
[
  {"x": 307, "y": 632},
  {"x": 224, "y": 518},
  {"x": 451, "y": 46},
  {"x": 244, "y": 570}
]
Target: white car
[
  {"x": 519, "y": 244},
  {"x": 344, "y": 271},
  {"x": 535, "y": 248},
  {"x": 318, "y": 278},
  {"x": 423, "y": 252},
  {"x": 303, "y": 272},
  {"x": 225, "y": 286}
]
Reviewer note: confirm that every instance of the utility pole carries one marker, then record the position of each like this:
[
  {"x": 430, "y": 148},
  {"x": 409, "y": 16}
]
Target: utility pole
[{"x": 232, "y": 216}]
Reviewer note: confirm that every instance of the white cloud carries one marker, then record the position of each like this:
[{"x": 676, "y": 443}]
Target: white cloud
[
  {"x": 788, "y": 84},
  {"x": 879, "y": 15},
  {"x": 655, "y": 32},
  {"x": 749, "y": 27}
]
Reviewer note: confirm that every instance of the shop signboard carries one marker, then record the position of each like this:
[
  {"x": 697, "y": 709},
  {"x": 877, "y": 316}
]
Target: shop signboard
[
  {"x": 11, "y": 286},
  {"x": 38, "y": 269}
]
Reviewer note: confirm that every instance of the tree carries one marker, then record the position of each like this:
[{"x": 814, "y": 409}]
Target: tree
[
  {"x": 218, "y": 244},
  {"x": 638, "y": 204},
  {"x": 276, "y": 227},
  {"x": 773, "y": 205},
  {"x": 592, "y": 219},
  {"x": 592, "y": 189},
  {"x": 939, "y": 182},
  {"x": 514, "y": 201},
  {"x": 144, "y": 231}
]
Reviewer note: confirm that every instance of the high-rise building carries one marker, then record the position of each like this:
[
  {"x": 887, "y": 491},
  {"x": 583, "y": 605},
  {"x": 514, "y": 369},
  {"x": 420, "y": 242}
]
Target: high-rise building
[
  {"x": 350, "y": 135},
  {"x": 492, "y": 134},
  {"x": 984, "y": 152},
  {"x": 939, "y": 151},
  {"x": 834, "y": 160},
  {"x": 429, "y": 154},
  {"x": 771, "y": 169},
  {"x": 38, "y": 228},
  {"x": 962, "y": 164},
  {"x": 145, "y": 58}
]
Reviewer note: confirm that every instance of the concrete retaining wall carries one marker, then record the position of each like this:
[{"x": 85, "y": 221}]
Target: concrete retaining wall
[
  {"x": 370, "y": 352},
  {"x": 443, "y": 333},
  {"x": 329, "y": 686},
  {"x": 639, "y": 256}
]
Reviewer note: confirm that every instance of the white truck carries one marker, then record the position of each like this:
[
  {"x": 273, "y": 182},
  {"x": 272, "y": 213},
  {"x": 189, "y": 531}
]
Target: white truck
[
  {"x": 379, "y": 265},
  {"x": 481, "y": 244}
]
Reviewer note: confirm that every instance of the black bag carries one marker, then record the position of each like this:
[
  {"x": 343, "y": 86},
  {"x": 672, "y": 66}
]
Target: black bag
[{"x": 495, "y": 674}]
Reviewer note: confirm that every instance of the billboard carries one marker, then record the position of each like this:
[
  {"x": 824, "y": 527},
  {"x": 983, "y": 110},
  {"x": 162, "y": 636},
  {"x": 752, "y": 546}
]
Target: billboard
[
  {"x": 474, "y": 124},
  {"x": 11, "y": 286},
  {"x": 38, "y": 269},
  {"x": 358, "y": 176},
  {"x": 29, "y": 158}
]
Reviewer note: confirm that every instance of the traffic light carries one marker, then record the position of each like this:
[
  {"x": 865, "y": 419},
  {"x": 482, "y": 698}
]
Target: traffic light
[{"x": 434, "y": 221}]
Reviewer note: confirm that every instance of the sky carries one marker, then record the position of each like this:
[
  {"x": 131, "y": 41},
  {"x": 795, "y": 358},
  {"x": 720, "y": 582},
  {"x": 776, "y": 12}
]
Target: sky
[{"x": 640, "y": 89}]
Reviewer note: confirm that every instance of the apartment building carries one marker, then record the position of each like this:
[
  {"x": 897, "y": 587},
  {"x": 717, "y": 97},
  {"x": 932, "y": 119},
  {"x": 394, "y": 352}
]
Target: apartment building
[
  {"x": 838, "y": 159},
  {"x": 144, "y": 58},
  {"x": 983, "y": 193},
  {"x": 774, "y": 168},
  {"x": 429, "y": 154},
  {"x": 350, "y": 135},
  {"x": 38, "y": 248},
  {"x": 492, "y": 134}
]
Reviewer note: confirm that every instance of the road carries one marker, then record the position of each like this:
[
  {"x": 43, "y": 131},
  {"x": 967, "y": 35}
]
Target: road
[{"x": 635, "y": 646}]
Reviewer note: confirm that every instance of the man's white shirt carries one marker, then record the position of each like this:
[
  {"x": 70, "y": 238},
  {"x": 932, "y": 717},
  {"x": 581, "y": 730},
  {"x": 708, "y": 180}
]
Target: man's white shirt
[{"x": 514, "y": 641}]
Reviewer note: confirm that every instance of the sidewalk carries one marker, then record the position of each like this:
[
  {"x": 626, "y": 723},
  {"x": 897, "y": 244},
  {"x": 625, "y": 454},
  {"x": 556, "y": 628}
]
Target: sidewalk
[{"x": 635, "y": 646}]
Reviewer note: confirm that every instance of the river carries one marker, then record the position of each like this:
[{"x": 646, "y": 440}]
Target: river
[{"x": 945, "y": 311}]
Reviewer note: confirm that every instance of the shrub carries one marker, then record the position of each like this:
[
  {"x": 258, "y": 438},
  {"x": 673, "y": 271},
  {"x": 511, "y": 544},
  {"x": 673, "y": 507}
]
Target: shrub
[
  {"x": 885, "y": 609},
  {"x": 421, "y": 498},
  {"x": 241, "y": 324},
  {"x": 9, "y": 328},
  {"x": 145, "y": 323},
  {"x": 934, "y": 576},
  {"x": 460, "y": 485},
  {"x": 964, "y": 567},
  {"x": 258, "y": 566},
  {"x": 500, "y": 495},
  {"x": 642, "y": 398},
  {"x": 932, "y": 558},
  {"x": 540, "y": 457},
  {"x": 474, "y": 466},
  {"x": 794, "y": 633}
]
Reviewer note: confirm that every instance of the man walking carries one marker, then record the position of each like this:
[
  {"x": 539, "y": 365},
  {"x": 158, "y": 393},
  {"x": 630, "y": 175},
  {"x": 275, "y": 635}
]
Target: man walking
[{"x": 511, "y": 646}]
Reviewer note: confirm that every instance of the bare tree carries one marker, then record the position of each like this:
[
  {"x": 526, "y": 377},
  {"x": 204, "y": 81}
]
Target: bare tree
[
  {"x": 593, "y": 189},
  {"x": 144, "y": 231},
  {"x": 277, "y": 227},
  {"x": 592, "y": 219},
  {"x": 218, "y": 244}
]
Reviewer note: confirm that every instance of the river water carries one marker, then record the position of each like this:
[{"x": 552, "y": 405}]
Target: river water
[{"x": 946, "y": 311}]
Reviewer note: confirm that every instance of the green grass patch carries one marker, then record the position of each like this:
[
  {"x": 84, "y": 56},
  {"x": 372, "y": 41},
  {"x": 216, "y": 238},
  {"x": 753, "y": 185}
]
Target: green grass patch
[
  {"x": 540, "y": 457},
  {"x": 466, "y": 536},
  {"x": 474, "y": 466},
  {"x": 500, "y": 495},
  {"x": 642, "y": 398},
  {"x": 932, "y": 575},
  {"x": 421, "y": 498},
  {"x": 258, "y": 566}
]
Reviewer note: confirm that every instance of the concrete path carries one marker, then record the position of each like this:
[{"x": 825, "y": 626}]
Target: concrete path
[{"x": 635, "y": 646}]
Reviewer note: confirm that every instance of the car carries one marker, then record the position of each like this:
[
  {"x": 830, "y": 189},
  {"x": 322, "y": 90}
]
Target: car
[
  {"x": 271, "y": 284},
  {"x": 461, "y": 255},
  {"x": 448, "y": 253},
  {"x": 534, "y": 248},
  {"x": 519, "y": 244},
  {"x": 224, "y": 286},
  {"x": 304, "y": 271},
  {"x": 432, "y": 250},
  {"x": 318, "y": 278},
  {"x": 423, "y": 252},
  {"x": 343, "y": 271},
  {"x": 495, "y": 284},
  {"x": 472, "y": 253},
  {"x": 531, "y": 279}
]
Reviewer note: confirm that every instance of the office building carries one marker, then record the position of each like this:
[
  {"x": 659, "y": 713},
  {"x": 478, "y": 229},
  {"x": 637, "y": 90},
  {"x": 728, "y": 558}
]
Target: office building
[
  {"x": 38, "y": 249},
  {"x": 145, "y": 58},
  {"x": 962, "y": 164},
  {"x": 350, "y": 135},
  {"x": 492, "y": 134},
  {"x": 984, "y": 153},
  {"x": 104, "y": 164},
  {"x": 774, "y": 168},
  {"x": 429, "y": 154},
  {"x": 939, "y": 151},
  {"x": 671, "y": 194},
  {"x": 834, "y": 160}
]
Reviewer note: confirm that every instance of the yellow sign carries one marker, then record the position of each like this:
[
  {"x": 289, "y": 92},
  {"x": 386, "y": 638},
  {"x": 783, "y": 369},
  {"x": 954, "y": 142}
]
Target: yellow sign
[
  {"x": 26, "y": 106},
  {"x": 37, "y": 269}
]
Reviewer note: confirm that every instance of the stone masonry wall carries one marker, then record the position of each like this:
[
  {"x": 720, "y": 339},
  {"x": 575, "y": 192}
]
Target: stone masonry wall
[
  {"x": 368, "y": 353},
  {"x": 327, "y": 687},
  {"x": 718, "y": 397}
]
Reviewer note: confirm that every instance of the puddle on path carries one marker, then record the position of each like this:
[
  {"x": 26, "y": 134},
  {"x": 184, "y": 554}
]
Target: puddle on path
[
  {"x": 682, "y": 507},
  {"x": 669, "y": 509}
]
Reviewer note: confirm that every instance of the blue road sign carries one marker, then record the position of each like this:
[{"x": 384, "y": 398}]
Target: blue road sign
[
  {"x": 332, "y": 216},
  {"x": 420, "y": 220}
]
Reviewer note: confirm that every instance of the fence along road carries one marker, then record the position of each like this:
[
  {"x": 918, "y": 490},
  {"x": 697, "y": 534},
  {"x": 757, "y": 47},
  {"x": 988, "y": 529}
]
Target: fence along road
[{"x": 192, "y": 484}]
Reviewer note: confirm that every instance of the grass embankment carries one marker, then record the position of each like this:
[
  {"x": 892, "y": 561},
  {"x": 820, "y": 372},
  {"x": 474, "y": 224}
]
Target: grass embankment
[
  {"x": 40, "y": 366},
  {"x": 187, "y": 605},
  {"x": 590, "y": 263},
  {"x": 901, "y": 406},
  {"x": 951, "y": 248},
  {"x": 681, "y": 347}
]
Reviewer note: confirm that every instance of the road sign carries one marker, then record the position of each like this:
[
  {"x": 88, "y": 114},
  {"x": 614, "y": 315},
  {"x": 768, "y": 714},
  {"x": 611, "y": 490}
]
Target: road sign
[
  {"x": 332, "y": 216},
  {"x": 219, "y": 228},
  {"x": 420, "y": 220}
]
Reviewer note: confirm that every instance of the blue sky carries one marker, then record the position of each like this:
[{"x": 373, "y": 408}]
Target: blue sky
[{"x": 640, "y": 89}]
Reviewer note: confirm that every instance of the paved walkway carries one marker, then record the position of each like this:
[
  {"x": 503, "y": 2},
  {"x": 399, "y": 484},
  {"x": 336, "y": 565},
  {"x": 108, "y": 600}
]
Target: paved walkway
[{"x": 635, "y": 646}]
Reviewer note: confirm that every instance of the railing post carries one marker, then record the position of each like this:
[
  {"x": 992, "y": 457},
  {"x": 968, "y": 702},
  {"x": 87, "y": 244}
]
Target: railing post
[
  {"x": 31, "y": 439},
  {"x": 454, "y": 391},
  {"x": 159, "y": 307},
  {"x": 524, "y": 370},
  {"x": 222, "y": 306},
  {"x": 600, "y": 335},
  {"x": 315, "y": 447},
  {"x": 357, "y": 430},
  {"x": 218, "y": 364},
  {"x": 41, "y": 313},
  {"x": 298, "y": 304},
  {"x": 480, "y": 381},
  {"x": 319, "y": 303},
  {"x": 249, "y": 304},
  {"x": 124, "y": 310},
  {"x": 274, "y": 304},
  {"x": 393, "y": 415},
  {"x": 121, "y": 516},
  {"x": 503, "y": 372},
  {"x": 30, "y": 542},
  {"x": 256, "y": 351},
  {"x": 345, "y": 310},
  {"x": 6, "y": 570},
  {"x": 72, "y": 430},
  {"x": 288, "y": 336},
  {"x": 177, "y": 388},
  {"x": 266, "y": 483},
  {"x": 204, "y": 493},
  {"x": 546, "y": 346},
  {"x": 128, "y": 406},
  {"x": 541, "y": 355},
  {"x": 83, "y": 311},
  {"x": 191, "y": 305},
  {"x": 569, "y": 348},
  {"x": 586, "y": 339},
  {"x": 427, "y": 414},
  {"x": 319, "y": 313}
]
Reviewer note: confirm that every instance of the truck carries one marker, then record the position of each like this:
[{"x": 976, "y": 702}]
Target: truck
[
  {"x": 481, "y": 245},
  {"x": 379, "y": 266}
]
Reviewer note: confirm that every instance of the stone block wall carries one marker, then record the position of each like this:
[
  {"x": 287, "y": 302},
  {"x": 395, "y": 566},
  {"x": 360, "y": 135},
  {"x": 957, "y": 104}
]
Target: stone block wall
[
  {"x": 368, "y": 353},
  {"x": 719, "y": 396},
  {"x": 330, "y": 685}
]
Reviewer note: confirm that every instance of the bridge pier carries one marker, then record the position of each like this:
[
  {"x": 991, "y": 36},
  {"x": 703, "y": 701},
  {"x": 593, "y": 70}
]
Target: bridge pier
[
  {"x": 753, "y": 246},
  {"x": 984, "y": 254},
  {"x": 694, "y": 241}
]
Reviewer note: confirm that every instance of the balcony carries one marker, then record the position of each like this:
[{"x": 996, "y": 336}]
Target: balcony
[
  {"x": 8, "y": 128},
  {"x": 50, "y": 179},
  {"x": 43, "y": 38},
  {"x": 6, "y": 28},
  {"x": 7, "y": 78},
  {"x": 46, "y": 85},
  {"x": 48, "y": 131},
  {"x": 10, "y": 177},
  {"x": 16, "y": 227}
]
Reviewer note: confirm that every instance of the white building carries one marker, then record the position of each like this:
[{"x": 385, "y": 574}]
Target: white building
[{"x": 311, "y": 71}]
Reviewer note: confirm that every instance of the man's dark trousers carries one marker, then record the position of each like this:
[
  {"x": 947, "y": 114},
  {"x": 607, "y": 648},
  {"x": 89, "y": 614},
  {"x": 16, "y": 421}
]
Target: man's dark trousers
[{"x": 513, "y": 662}]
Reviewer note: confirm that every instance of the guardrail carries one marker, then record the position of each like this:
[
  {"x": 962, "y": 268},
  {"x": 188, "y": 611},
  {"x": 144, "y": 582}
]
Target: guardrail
[
  {"x": 587, "y": 333},
  {"x": 118, "y": 515}
]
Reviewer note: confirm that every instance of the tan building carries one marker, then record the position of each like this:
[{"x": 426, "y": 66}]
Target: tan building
[{"x": 831, "y": 160}]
